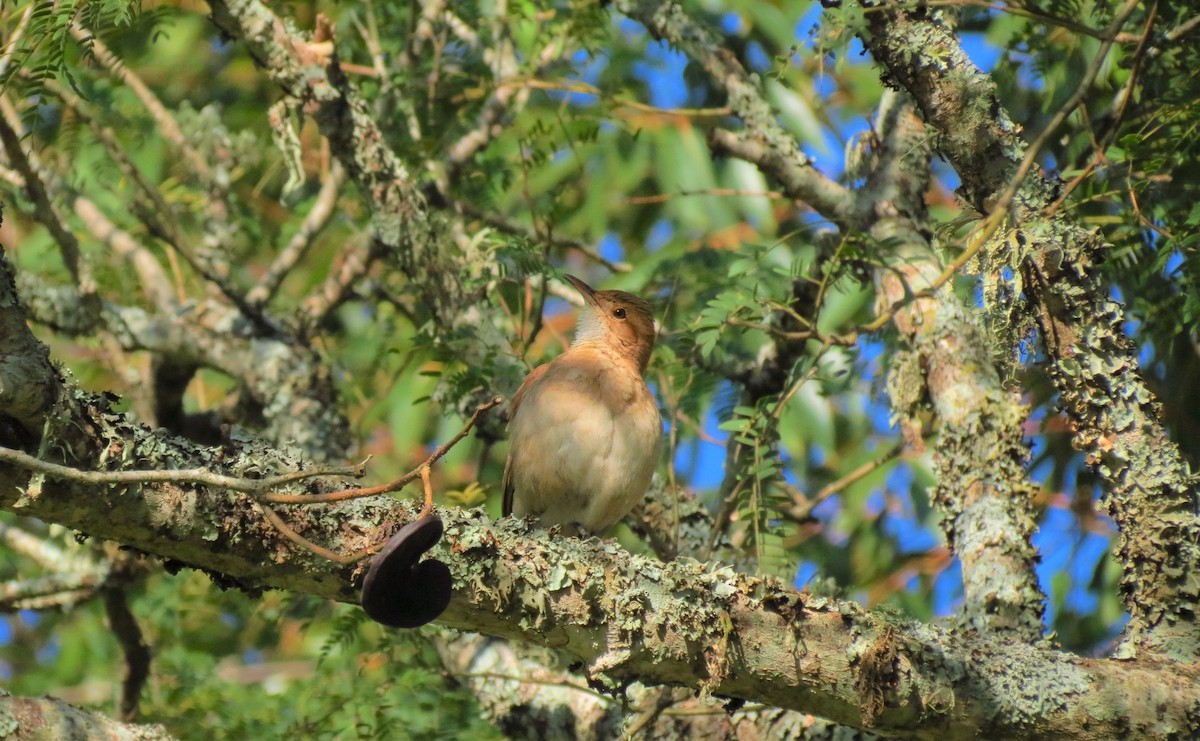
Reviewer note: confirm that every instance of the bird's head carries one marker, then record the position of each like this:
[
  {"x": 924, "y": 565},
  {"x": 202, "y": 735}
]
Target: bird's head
[{"x": 617, "y": 319}]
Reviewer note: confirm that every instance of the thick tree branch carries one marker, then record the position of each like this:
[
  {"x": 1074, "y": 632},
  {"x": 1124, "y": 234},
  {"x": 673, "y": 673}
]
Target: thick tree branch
[
  {"x": 526, "y": 695},
  {"x": 1151, "y": 493},
  {"x": 989, "y": 524},
  {"x": 625, "y": 617},
  {"x": 48, "y": 719},
  {"x": 982, "y": 490},
  {"x": 287, "y": 379}
]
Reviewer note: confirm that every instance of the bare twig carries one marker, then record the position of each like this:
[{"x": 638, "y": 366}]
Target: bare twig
[
  {"x": 286, "y": 531},
  {"x": 167, "y": 125},
  {"x": 726, "y": 192},
  {"x": 257, "y": 486},
  {"x": 44, "y": 210},
  {"x": 158, "y": 215},
  {"x": 53, "y": 590},
  {"x": 179, "y": 476},
  {"x": 339, "y": 283},
  {"x": 505, "y": 226},
  {"x": 803, "y": 506},
  {"x": 14, "y": 39},
  {"x": 297, "y": 247},
  {"x": 1082, "y": 88},
  {"x": 137, "y": 654},
  {"x": 583, "y": 88},
  {"x": 1114, "y": 127},
  {"x": 151, "y": 275},
  {"x": 420, "y": 471}
]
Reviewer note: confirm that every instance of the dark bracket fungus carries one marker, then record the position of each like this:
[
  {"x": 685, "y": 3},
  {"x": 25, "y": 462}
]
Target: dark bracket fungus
[{"x": 401, "y": 592}]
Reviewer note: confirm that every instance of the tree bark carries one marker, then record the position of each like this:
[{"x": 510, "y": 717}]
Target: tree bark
[{"x": 1151, "y": 494}]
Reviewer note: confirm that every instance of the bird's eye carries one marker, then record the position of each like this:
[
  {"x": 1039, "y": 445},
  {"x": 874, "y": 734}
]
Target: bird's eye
[{"x": 619, "y": 313}]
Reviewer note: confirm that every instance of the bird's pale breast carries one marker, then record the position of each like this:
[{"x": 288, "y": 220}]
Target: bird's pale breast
[{"x": 584, "y": 442}]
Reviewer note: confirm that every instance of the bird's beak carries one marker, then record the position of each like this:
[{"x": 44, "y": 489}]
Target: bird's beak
[{"x": 588, "y": 293}]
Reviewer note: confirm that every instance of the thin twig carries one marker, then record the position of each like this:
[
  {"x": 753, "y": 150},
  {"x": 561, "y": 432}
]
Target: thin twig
[
  {"x": 725, "y": 192},
  {"x": 53, "y": 590},
  {"x": 508, "y": 227},
  {"x": 984, "y": 231},
  {"x": 803, "y": 507},
  {"x": 14, "y": 39},
  {"x": 158, "y": 216},
  {"x": 371, "y": 491},
  {"x": 167, "y": 125},
  {"x": 583, "y": 88},
  {"x": 1126, "y": 95},
  {"x": 44, "y": 210},
  {"x": 423, "y": 471},
  {"x": 351, "y": 265},
  {"x": 1081, "y": 90},
  {"x": 180, "y": 476},
  {"x": 297, "y": 247},
  {"x": 286, "y": 531}
]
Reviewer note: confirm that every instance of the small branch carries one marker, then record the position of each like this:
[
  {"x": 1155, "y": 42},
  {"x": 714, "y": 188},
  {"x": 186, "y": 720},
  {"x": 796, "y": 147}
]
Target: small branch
[
  {"x": 14, "y": 39},
  {"x": 722, "y": 192},
  {"x": 153, "y": 279},
  {"x": 44, "y": 210},
  {"x": 371, "y": 491},
  {"x": 506, "y": 226},
  {"x": 1140, "y": 55},
  {"x": 338, "y": 287},
  {"x": 297, "y": 247},
  {"x": 48, "y": 555},
  {"x": 179, "y": 476},
  {"x": 160, "y": 219},
  {"x": 286, "y": 531},
  {"x": 800, "y": 180},
  {"x": 803, "y": 506},
  {"x": 167, "y": 125},
  {"x": 422, "y": 471},
  {"x": 1082, "y": 88},
  {"x": 44, "y": 592},
  {"x": 257, "y": 486},
  {"x": 137, "y": 654}
]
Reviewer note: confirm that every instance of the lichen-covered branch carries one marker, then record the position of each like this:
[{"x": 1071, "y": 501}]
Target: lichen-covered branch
[
  {"x": 982, "y": 487},
  {"x": 400, "y": 221},
  {"x": 48, "y": 719},
  {"x": 624, "y": 617},
  {"x": 1150, "y": 491},
  {"x": 983, "y": 490},
  {"x": 289, "y": 382},
  {"x": 524, "y": 692},
  {"x": 667, "y": 21}
]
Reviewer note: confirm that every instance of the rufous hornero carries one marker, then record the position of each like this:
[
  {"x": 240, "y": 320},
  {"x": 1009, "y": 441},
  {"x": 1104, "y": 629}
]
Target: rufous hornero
[{"x": 584, "y": 429}]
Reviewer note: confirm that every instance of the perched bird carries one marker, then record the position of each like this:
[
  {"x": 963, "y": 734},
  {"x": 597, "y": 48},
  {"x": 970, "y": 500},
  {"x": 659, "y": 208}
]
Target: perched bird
[{"x": 584, "y": 430}]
